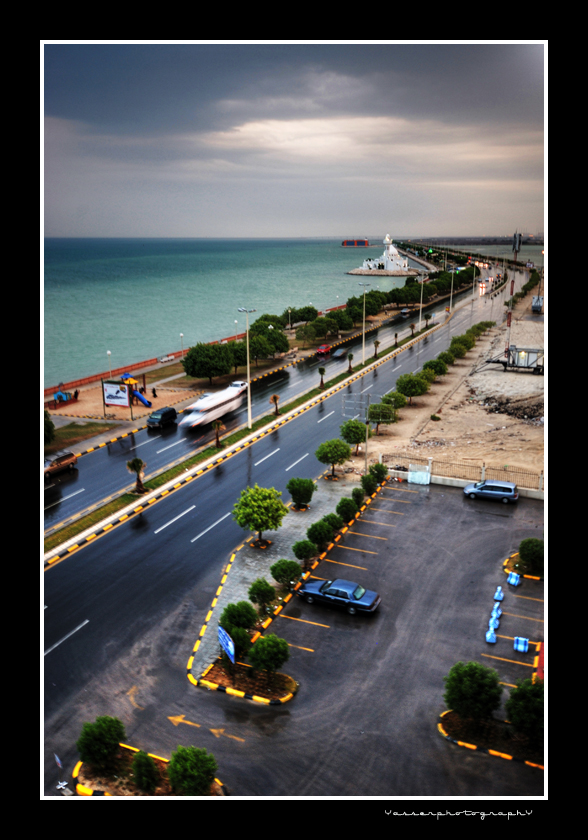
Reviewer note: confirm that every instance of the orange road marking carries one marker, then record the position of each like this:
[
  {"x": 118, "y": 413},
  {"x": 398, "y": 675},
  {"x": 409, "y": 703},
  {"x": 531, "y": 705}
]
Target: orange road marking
[
  {"x": 337, "y": 563},
  {"x": 371, "y": 536},
  {"x": 316, "y": 624},
  {"x": 514, "y": 661}
]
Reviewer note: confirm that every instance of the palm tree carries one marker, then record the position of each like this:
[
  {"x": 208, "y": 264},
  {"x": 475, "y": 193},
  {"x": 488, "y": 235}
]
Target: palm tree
[
  {"x": 321, "y": 371},
  {"x": 350, "y": 357},
  {"x": 218, "y": 427},
  {"x": 137, "y": 466},
  {"x": 275, "y": 399},
  {"x": 427, "y": 317},
  {"x": 376, "y": 345},
  {"x": 412, "y": 326},
  {"x": 395, "y": 339}
]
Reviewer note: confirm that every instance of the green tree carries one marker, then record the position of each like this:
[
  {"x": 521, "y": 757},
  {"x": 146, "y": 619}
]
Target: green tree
[
  {"x": 380, "y": 471},
  {"x": 241, "y": 615},
  {"x": 261, "y": 593},
  {"x": 205, "y": 361},
  {"x": 428, "y": 374},
  {"x": 427, "y": 316},
  {"x": 438, "y": 367},
  {"x": 524, "y": 709},
  {"x": 350, "y": 359},
  {"x": 334, "y": 520},
  {"x": 357, "y": 496},
  {"x": 472, "y": 690},
  {"x": 98, "y": 742},
  {"x": 49, "y": 430},
  {"x": 320, "y": 533},
  {"x": 531, "y": 553},
  {"x": 259, "y": 348},
  {"x": 286, "y": 571},
  {"x": 333, "y": 452},
  {"x": 238, "y": 351},
  {"x": 412, "y": 327},
  {"x": 353, "y": 432},
  {"x": 218, "y": 427},
  {"x": 137, "y": 466},
  {"x": 347, "y": 508},
  {"x": 394, "y": 399},
  {"x": 145, "y": 772},
  {"x": 369, "y": 482},
  {"x": 274, "y": 400},
  {"x": 304, "y": 550},
  {"x": 382, "y": 413},
  {"x": 268, "y": 654},
  {"x": 259, "y": 509},
  {"x": 376, "y": 345},
  {"x": 305, "y": 334},
  {"x": 301, "y": 490},
  {"x": 322, "y": 372},
  {"x": 191, "y": 771},
  {"x": 411, "y": 386},
  {"x": 446, "y": 357}
]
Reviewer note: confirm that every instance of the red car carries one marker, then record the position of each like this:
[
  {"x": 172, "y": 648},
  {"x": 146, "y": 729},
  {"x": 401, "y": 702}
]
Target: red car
[{"x": 323, "y": 350}]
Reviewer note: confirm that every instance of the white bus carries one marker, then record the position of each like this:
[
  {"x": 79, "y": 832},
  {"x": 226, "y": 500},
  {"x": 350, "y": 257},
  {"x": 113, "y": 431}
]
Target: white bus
[{"x": 211, "y": 406}]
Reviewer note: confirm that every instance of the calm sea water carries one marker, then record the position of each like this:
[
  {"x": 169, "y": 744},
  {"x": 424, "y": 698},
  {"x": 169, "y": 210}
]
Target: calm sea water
[{"x": 135, "y": 296}]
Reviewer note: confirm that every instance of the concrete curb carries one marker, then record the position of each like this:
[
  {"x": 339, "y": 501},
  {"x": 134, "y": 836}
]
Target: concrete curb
[
  {"x": 481, "y": 749},
  {"x": 511, "y": 557}
]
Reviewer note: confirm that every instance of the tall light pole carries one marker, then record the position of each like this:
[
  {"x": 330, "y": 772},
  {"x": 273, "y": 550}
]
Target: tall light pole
[
  {"x": 182, "y": 340},
  {"x": 109, "y": 362},
  {"x": 247, "y": 313},
  {"x": 421, "y": 309},
  {"x": 363, "y": 336}
]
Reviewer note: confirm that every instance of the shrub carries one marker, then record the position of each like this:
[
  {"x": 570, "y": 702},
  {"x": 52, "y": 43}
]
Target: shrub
[
  {"x": 320, "y": 533},
  {"x": 301, "y": 490},
  {"x": 241, "y": 614},
  {"x": 447, "y": 357},
  {"x": 261, "y": 593},
  {"x": 458, "y": 349},
  {"x": 303, "y": 550},
  {"x": 347, "y": 508},
  {"x": 242, "y": 642},
  {"x": 191, "y": 771},
  {"x": 49, "y": 427},
  {"x": 435, "y": 417},
  {"x": 285, "y": 571},
  {"x": 437, "y": 366},
  {"x": 333, "y": 452},
  {"x": 395, "y": 399},
  {"x": 531, "y": 553},
  {"x": 380, "y": 471},
  {"x": 145, "y": 772},
  {"x": 260, "y": 509},
  {"x": 428, "y": 375},
  {"x": 334, "y": 520},
  {"x": 98, "y": 742},
  {"x": 472, "y": 690},
  {"x": 269, "y": 653},
  {"x": 358, "y": 496},
  {"x": 525, "y": 709},
  {"x": 369, "y": 483},
  {"x": 353, "y": 432}
]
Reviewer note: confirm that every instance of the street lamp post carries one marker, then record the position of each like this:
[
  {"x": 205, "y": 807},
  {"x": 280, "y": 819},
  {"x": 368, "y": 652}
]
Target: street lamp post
[
  {"x": 109, "y": 362},
  {"x": 247, "y": 313},
  {"x": 421, "y": 309},
  {"x": 182, "y": 340},
  {"x": 363, "y": 335}
]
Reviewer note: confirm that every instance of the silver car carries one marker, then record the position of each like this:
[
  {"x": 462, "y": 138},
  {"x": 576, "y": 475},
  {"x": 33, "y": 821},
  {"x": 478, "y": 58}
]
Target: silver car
[{"x": 504, "y": 491}]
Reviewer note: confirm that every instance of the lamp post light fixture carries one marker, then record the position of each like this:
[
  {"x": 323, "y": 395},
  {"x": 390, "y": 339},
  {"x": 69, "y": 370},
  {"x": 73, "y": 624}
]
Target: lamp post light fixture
[
  {"x": 363, "y": 335},
  {"x": 247, "y": 313},
  {"x": 109, "y": 362}
]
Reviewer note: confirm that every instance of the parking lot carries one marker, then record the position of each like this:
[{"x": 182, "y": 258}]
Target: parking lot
[{"x": 376, "y": 681}]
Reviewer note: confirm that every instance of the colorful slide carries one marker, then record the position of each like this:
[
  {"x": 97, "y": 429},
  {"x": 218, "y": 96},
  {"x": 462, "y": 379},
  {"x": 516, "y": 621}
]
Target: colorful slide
[{"x": 142, "y": 399}]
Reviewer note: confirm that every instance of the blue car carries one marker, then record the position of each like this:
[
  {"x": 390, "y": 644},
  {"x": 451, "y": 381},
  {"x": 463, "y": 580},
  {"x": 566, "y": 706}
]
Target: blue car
[{"x": 340, "y": 593}]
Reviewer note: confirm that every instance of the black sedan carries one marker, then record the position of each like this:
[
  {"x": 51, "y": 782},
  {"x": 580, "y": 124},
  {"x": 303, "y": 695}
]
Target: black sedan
[{"x": 340, "y": 593}]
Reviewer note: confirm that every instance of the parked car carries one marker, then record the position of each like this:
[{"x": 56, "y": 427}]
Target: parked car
[
  {"x": 340, "y": 593},
  {"x": 504, "y": 491},
  {"x": 323, "y": 350},
  {"x": 162, "y": 417},
  {"x": 59, "y": 461},
  {"x": 340, "y": 353}
]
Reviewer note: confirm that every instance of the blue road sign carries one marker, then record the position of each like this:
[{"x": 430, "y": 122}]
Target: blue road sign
[{"x": 227, "y": 644}]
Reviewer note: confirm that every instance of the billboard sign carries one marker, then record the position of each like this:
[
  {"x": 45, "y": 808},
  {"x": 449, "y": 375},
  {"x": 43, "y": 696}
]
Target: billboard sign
[
  {"x": 227, "y": 644},
  {"x": 115, "y": 393}
]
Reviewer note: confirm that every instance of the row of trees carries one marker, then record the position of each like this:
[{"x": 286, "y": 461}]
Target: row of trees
[{"x": 190, "y": 771}]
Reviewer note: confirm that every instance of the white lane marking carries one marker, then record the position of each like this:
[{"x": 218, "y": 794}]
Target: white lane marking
[
  {"x": 299, "y": 460},
  {"x": 145, "y": 442},
  {"x": 66, "y": 637},
  {"x": 266, "y": 457},
  {"x": 211, "y": 526},
  {"x": 325, "y": 417},
  {"x": 367, "y": 389},
  {"x": 175, "y": 519},
  {"x": 170, "y": 446},
  {"x": 71, "y": 495},
  {"x": 275, "y": 382}
]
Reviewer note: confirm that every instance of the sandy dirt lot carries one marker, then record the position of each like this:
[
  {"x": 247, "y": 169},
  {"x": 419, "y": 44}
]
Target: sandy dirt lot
[{"x": 492, "y": 417}]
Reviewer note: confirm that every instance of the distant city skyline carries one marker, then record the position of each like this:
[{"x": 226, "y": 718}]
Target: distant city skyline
[{"x": 293, "y": 140}]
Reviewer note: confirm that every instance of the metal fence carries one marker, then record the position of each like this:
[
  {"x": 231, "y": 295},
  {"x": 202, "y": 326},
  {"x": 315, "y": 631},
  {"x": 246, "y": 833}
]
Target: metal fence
[{"x": 469, "y": 472}]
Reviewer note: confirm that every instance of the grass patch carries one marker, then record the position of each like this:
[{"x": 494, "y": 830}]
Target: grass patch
[{"x": 68, "y": 436}]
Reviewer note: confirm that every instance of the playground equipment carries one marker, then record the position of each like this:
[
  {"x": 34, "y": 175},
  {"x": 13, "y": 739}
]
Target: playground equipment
[
  {"x": 62, "y": 398},
  {"x": 128, "y": 380}
]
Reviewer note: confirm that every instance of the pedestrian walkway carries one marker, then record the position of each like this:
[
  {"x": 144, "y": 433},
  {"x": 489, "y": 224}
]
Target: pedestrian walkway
[{"x": 251, "y": 563}]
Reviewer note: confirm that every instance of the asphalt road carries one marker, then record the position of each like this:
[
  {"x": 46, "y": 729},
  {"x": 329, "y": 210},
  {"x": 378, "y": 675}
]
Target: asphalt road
[{"x": 102, "y": 473}]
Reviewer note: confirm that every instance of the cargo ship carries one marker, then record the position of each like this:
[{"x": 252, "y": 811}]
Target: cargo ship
[{"x": 355, "y": 243}]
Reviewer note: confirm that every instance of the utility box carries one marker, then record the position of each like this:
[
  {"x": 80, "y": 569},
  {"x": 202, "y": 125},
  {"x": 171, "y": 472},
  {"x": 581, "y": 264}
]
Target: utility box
[{"x": 525, "y": 357}]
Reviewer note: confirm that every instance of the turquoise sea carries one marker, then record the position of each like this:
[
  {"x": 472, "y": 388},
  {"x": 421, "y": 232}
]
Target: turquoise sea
[{"x": 135, "y": 296}]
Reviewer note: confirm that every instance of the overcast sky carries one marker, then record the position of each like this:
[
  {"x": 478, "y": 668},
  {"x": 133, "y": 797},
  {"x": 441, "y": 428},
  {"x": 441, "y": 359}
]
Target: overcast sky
[{"x": 254, "y": 140}]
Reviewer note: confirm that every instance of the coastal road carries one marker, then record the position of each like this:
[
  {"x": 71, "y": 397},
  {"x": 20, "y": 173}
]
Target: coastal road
[{"x": 102, "y": 474}]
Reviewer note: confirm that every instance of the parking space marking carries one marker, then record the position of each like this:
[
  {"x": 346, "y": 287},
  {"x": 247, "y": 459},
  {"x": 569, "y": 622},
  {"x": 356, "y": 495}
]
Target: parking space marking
[
  {"x": 514, "y": 661},
  {"x": 370, "y": 536},
  {"x": 526, "y": 617},
  {"x": 528, "y": 598},
  {"x": 350, "y": 565},
  {"x": 348, "y": 548},
  {"x": 305, "y": 621},
  {"x": 310, "y": 650},
  {"x": 400, "y": 501},
  {"x": 375, "y": 522},
  {"x": 400, "y": 490},
  {"x": 383, "y": 510},
  {"x": 512, "y": 638}
]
